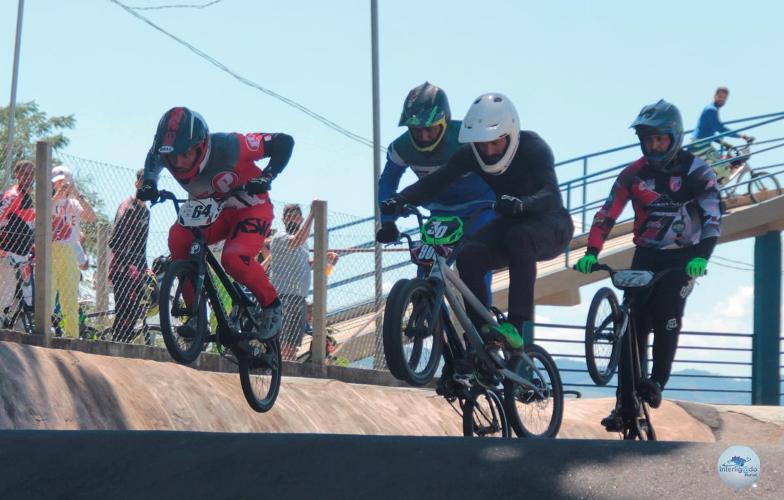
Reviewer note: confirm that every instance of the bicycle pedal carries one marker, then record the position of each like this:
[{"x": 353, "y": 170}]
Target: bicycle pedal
[{"x": 464, "y": 380}]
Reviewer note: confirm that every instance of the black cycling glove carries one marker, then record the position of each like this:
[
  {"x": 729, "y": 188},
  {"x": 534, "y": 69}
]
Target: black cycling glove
[
  {"x": 388, "y": 233},
  {"x": 259, "y": 185},
  {"x": 148, "y": 191}
]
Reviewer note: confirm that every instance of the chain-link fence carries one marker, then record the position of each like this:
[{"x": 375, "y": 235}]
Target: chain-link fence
[
  {"x": 17, "y": 226},
  {"x": 109, "y": 254}
]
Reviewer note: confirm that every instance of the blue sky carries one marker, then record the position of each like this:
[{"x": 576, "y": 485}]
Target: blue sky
[{"x": 578, "y": 72}]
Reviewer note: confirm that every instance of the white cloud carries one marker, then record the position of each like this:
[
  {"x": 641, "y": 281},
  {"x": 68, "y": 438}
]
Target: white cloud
[{"x": 734, "y": 313}]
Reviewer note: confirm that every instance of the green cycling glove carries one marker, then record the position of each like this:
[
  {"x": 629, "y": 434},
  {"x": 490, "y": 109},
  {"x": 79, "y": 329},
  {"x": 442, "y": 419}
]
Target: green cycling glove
[
  {"x": 585, "y": 264},
  {"x": 696, "y": 267}
]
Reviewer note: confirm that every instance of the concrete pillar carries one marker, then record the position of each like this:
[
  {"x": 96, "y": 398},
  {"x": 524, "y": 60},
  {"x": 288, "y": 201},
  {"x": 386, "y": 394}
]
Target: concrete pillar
[{"x": 767, "y": 320}]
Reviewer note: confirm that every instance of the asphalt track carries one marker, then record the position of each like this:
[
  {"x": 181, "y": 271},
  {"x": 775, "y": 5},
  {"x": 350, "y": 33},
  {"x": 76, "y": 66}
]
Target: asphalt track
[
  {"x": 81, "y": 425},
  {"x": 128, "y": 464}
]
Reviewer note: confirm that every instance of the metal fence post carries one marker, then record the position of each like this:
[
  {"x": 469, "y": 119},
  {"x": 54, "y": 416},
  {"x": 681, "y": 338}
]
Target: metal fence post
[
  {"x": 379, "y": 363},
  {"x": 585, "y": 194},
  {"x": 44, "y": 298},
  {"x": 320, "y": 245},
  {"x": 102, "y": 269},
  {"x": 767, "y": 320}
]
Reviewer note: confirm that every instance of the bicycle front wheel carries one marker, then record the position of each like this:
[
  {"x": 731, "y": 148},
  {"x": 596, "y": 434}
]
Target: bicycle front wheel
[
  {"x": 483, "y": 415},
  {"x": 534, "y": 412},
  {"x": 183, "y": 344},
  {"x": 260, "y": 372},
  {"x": 602, "y": 336},
  {"x": 763, "y": 187},
  {"x": 412, "y": 332}
]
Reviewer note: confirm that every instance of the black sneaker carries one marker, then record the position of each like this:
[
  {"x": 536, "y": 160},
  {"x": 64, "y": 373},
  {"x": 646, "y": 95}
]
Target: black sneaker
[
  {"x": 614, "y": 421},
  {"x": 446, "y": 387},
  {"x": 271, "y": 321},
  {"x": 651, "y": 392},
  {"x": 187, "y": 330}
]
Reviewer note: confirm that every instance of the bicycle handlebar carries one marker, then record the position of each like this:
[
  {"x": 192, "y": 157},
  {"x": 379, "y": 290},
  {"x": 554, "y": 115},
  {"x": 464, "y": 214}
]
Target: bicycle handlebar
[
  {"x": 657, "y": 275},
  {"x": 164, "y": 195}
]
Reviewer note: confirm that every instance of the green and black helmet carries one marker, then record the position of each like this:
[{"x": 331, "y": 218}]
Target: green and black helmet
[
  {"x": 662, "y": 118},
  {"x": 426, "y": 106}
]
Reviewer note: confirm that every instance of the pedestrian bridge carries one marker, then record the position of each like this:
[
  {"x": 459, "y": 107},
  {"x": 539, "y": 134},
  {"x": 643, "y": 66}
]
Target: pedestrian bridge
[{"x": 557, "y": 284}]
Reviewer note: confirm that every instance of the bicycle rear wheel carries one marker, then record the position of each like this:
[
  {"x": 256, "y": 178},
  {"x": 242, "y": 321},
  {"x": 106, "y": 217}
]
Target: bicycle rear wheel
[
  {"x": 534, "y": 413},
  {"x": 602, "y": 336},
  {"x": 174, "y": 312},
  {"x": 412, "y": 332},
  {"x": 260, "y": 372},
  {"x": 763, "y": 187},
  {"x": 483, "y": 414}
]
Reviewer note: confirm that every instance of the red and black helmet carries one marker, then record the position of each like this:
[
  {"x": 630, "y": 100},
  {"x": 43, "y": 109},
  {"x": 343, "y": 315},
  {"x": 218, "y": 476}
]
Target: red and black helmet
[{"x": 179, "y": 131}]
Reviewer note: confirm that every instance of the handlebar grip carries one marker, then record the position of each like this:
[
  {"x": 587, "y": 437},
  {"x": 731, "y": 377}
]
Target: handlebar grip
[{"x": 409, "y": 209}]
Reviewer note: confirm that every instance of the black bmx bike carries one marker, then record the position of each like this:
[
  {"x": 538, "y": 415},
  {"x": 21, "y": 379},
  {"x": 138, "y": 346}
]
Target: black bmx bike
[
  {"x": 611, "y": 338},
  {"x": 495, "y": 387},
  {"x": 185, "y": 325}
]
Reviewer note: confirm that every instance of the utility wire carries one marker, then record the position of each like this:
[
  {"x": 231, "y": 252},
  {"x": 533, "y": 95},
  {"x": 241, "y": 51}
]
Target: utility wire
[
  {"x": 732, "y": 261},
  {"x": 177, "y": 6},
  {"x": 329, "y": 123},
  {"x": 732, "y": 267}
]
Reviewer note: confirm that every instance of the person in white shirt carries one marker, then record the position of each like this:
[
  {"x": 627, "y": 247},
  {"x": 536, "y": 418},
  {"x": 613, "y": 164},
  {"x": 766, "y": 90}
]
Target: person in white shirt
[{"x": 69, "y": 208}]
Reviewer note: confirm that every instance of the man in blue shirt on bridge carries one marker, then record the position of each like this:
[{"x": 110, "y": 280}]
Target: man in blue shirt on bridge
[{"x": 709, "y": 125}]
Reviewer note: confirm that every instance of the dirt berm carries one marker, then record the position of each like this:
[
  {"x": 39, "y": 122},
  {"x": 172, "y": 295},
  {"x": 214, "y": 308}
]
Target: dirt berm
[{"x": 60, "y": 389}]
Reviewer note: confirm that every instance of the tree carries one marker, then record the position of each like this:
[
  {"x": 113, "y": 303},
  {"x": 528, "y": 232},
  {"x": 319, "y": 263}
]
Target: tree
[{"x": 32, "y": 125}]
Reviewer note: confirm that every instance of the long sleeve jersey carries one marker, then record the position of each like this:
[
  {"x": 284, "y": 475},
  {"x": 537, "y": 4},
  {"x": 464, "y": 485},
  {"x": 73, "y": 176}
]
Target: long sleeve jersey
[
  {"x": 464, "y": 195},
  {"x": 674, "y": 209},
  {"x": 530, "y": 176},
  {"x": 709, "y": 124},
  {"x": 230, "y": 163}
]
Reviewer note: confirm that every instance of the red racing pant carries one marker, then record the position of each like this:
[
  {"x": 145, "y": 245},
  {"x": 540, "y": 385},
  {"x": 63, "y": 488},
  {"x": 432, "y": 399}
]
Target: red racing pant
[{"x": 244, "y": 230}]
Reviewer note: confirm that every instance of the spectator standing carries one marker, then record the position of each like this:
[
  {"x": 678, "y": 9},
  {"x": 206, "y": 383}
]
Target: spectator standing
[
  {"x": 17, "y": 233},
  {"x": 290, "y": 273},
  {"x": 128, "y": 244},
  {"x": 710, "y": 125},
  {"x": 69, "y": 208}
]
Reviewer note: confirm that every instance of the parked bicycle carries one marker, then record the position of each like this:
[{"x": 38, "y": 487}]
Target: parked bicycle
[
  {"x": 495, "y": 384},
  {"x": 734, "y": 166},
  {"x": 610, "y": 339},
  {"x": 20, "y": 314},
  {"x": 259, "y": 361}
]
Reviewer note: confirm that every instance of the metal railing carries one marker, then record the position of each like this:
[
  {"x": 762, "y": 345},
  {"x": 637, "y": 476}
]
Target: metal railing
[
  {"x": 581, "y": 182},
  {"x": 739, "y": 391}
]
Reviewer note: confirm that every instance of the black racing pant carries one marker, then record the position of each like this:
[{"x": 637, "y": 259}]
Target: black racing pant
[
  {"x": 660, "y": 309},
  {"x": 517, "y": 244}
]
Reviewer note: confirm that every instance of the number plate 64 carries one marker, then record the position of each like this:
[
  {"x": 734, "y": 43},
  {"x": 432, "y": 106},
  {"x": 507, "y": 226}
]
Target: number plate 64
[{"x": 199, "y": 213}]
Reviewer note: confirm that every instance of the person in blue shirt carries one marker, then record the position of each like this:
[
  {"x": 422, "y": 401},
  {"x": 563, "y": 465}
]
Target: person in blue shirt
[
  {"x": 426, "y": 147},
  {"x": 709, "y": 125}
]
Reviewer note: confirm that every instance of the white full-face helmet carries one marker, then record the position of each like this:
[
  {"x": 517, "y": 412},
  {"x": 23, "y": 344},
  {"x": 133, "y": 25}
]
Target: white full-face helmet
[{"x": 490, "y": 117}]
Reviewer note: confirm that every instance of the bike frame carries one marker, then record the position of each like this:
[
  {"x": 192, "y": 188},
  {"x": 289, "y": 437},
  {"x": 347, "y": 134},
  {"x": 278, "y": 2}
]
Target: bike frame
[
  {"x": 202, "y": 259},
  {"x": 628, "y": 334},
  {"x": 442, "y": 274},
  {"x": 20, "y": 307}
]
